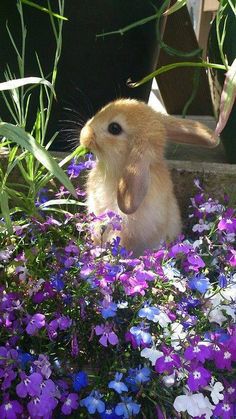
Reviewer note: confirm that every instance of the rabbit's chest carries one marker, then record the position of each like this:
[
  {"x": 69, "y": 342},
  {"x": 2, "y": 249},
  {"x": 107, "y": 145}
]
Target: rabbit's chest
[{"x": 101, "y": 194}]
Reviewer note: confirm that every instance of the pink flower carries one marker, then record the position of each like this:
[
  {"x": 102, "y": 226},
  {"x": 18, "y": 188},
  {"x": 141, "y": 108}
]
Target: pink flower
[{"x": 107, "y": 334}]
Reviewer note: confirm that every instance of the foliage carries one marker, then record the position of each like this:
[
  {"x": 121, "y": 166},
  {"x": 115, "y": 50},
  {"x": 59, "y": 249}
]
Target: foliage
[
  {"x": 27, "y": 150},
  {"x": 89, "y": 330}
]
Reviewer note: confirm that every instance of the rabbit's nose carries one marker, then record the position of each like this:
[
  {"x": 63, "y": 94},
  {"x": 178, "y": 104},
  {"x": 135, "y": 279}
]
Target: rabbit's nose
[{"x": 87, "y": 137}]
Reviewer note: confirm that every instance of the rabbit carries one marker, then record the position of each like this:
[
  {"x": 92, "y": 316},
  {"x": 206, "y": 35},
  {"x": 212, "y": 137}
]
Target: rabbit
[{"x": 131, "y": 176}]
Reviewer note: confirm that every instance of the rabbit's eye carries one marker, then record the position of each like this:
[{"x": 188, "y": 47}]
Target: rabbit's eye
[{"x": 114, "y": 128}]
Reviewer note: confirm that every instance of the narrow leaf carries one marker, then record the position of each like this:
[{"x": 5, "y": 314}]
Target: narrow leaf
[
  {"x": 61, "y": 202},
  {"x": 6, "y": 211},
  {"x": 43, "y": 9},
  {"x": 227, "y": 98},
  {"x": 25, "y": 140},
  {"x": 178, "y": 5},
  {"x": 14, "y": 84}
]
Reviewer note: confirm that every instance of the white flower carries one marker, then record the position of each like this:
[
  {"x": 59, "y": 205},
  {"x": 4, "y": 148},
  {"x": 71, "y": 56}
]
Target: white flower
[
  {"x": 177, "y": 335},
  {"x": 152, "y": 354},
  {"x": 194, "y": 405},
  {"x": 216, "y": 396},
  {"x": 162, "y": 319},
  {"x": 169, "y": 380},
  {"x": 223, "y": 301}
]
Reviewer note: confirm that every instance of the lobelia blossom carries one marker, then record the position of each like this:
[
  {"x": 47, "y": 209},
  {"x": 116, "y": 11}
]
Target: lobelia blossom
[
  {"x": 7, "y": 375},
  {"x": 199, "y": 283},
  {"x": 196, "y": 405},
  {"x": 127, "y": 408},
  {"x": 42, "y": 405},
  {"x": 198, "y": 351},
  {"x": 10, "y": 409},
  {"x": 140, "y": 375},
  {"x": 29, "y": 385},
  {"x": 108, "y": 336},
  {"x": 168, "y": 362},
  {"x": 142, "y": 337},
  {"x": 71, "y": 403},
  {"x": 80, "y": 380},
  {"x": 93, "y": 402},
  {"x": 198, "y": 377},
  {"x": 43, "y": 366},
  {"x": 117, "y": 384},
  {"x": 36, "y": 322},
  {"x": 152, "y": 354},
  {"x": 224, "y": 409}
]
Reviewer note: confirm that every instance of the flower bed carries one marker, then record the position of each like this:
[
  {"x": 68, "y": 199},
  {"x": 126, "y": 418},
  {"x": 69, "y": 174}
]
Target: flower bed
[{"x": 92, "y": 332}]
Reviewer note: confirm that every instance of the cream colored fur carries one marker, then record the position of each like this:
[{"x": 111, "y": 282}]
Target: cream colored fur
[{"x": 131, "y": 177}]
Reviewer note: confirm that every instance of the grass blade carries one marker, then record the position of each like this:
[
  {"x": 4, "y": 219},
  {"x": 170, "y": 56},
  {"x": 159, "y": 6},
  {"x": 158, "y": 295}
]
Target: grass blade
[
  {"x": 5, "y": 210},
  {"x": 43, "y": 9},
  {"x": 14, "y": 84},
  {"x": 25, "y": 140},
  {"x": 178, "y": 5}
]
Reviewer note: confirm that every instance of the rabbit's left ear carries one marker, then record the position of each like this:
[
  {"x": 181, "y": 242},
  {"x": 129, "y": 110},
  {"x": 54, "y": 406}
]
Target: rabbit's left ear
[
  {"x": 134, "y": 182},
  {"x": 187, "y": 131}
]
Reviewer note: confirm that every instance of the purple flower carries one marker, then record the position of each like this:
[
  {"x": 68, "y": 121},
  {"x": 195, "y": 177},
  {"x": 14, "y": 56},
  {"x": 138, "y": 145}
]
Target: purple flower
[
  {"x": 224, "y": 410},
  {"x": 7, "y": 375},
  {"x": 29, "y": 385},
  {"x": 168, "y": 362},
  {"x": 179, "y": 249},
  {"x": 71, "y": 403},
  {"x": 198, "y": 351},
  {"x": 228, "y": 222},
  {"x": 11, "y": 409},
  {"x": 93, "y": 403},
  {"x": 224, "y": 357},
  {"x": 36, "y": 322},
  {"x": 42, "y": 406},
  {"x": 43, "y": 366},
  {"x": 195, "y": 261},
  {"x": 80, "y": 380},
  {"x": 198, "y": 377},
  {"x": 199, "y": 283},
  {"x": 127, "y": 407},
  {"x": 108, "y": 336},
  {"x": 117, "y": 384},
  {"x": 46, "y": 293}
]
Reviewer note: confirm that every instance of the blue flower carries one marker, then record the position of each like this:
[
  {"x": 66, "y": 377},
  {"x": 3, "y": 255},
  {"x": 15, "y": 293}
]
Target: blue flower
[
  {"x": 93, "y": 403},
  {"x": 137, "y": 376},
  {"x": 148, "y": 312},
  {"x": 109, "y": 311},
  {"x": 80, "y": 380},
  {"x": 117, "y": 384},
  {"x": 109, "y": 414},
  {"x": 127, "y": 407},
  {"x": 199, "y": 283},
  {"x": 140, "y": 334}
]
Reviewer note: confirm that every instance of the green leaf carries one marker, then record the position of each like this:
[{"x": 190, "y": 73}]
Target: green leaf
[
  {"x": 178, "y": 5},
  {"x": 61, "y": 202},
  {"x": 25, "y": 140},
  {"x": 5, "y": 210},
  {"x": 172, "y": 66},
  {"x": 14, "y": 84},
  {"x": 227, "y": 98},
  {"x": 43, "y": 9}
]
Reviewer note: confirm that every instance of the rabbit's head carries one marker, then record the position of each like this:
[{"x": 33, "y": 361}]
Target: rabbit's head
[{"x": 128, "y": 138}]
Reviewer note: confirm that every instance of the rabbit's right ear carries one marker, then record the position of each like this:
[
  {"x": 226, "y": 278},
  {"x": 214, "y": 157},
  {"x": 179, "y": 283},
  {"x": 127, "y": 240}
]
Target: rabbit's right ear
[
  {"x": 187, "y": 131},
  {"x": 134, "y": 181}
]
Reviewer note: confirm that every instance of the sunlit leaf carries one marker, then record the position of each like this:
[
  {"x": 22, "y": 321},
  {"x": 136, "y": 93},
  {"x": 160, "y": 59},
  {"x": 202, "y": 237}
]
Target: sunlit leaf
[
  {"x": 5, "y": 210},
  {"x": 25, "y": 140},
  {"x": 61, "y": 202},
  {"x": 14, "y": 84},
  {"x": 43, "y": 9},
  {"x": 178, "y": 5},
  {"x": 227, "y": 98}
]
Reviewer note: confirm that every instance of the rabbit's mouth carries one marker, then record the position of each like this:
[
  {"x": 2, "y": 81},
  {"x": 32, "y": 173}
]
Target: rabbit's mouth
[{"x": 88, "y": 138}]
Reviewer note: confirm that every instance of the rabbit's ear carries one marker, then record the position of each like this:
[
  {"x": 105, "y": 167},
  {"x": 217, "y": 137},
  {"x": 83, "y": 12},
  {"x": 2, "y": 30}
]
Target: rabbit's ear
[
  {"x": 187, "y": 131},
  {"x": 134, "y": 182}
]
